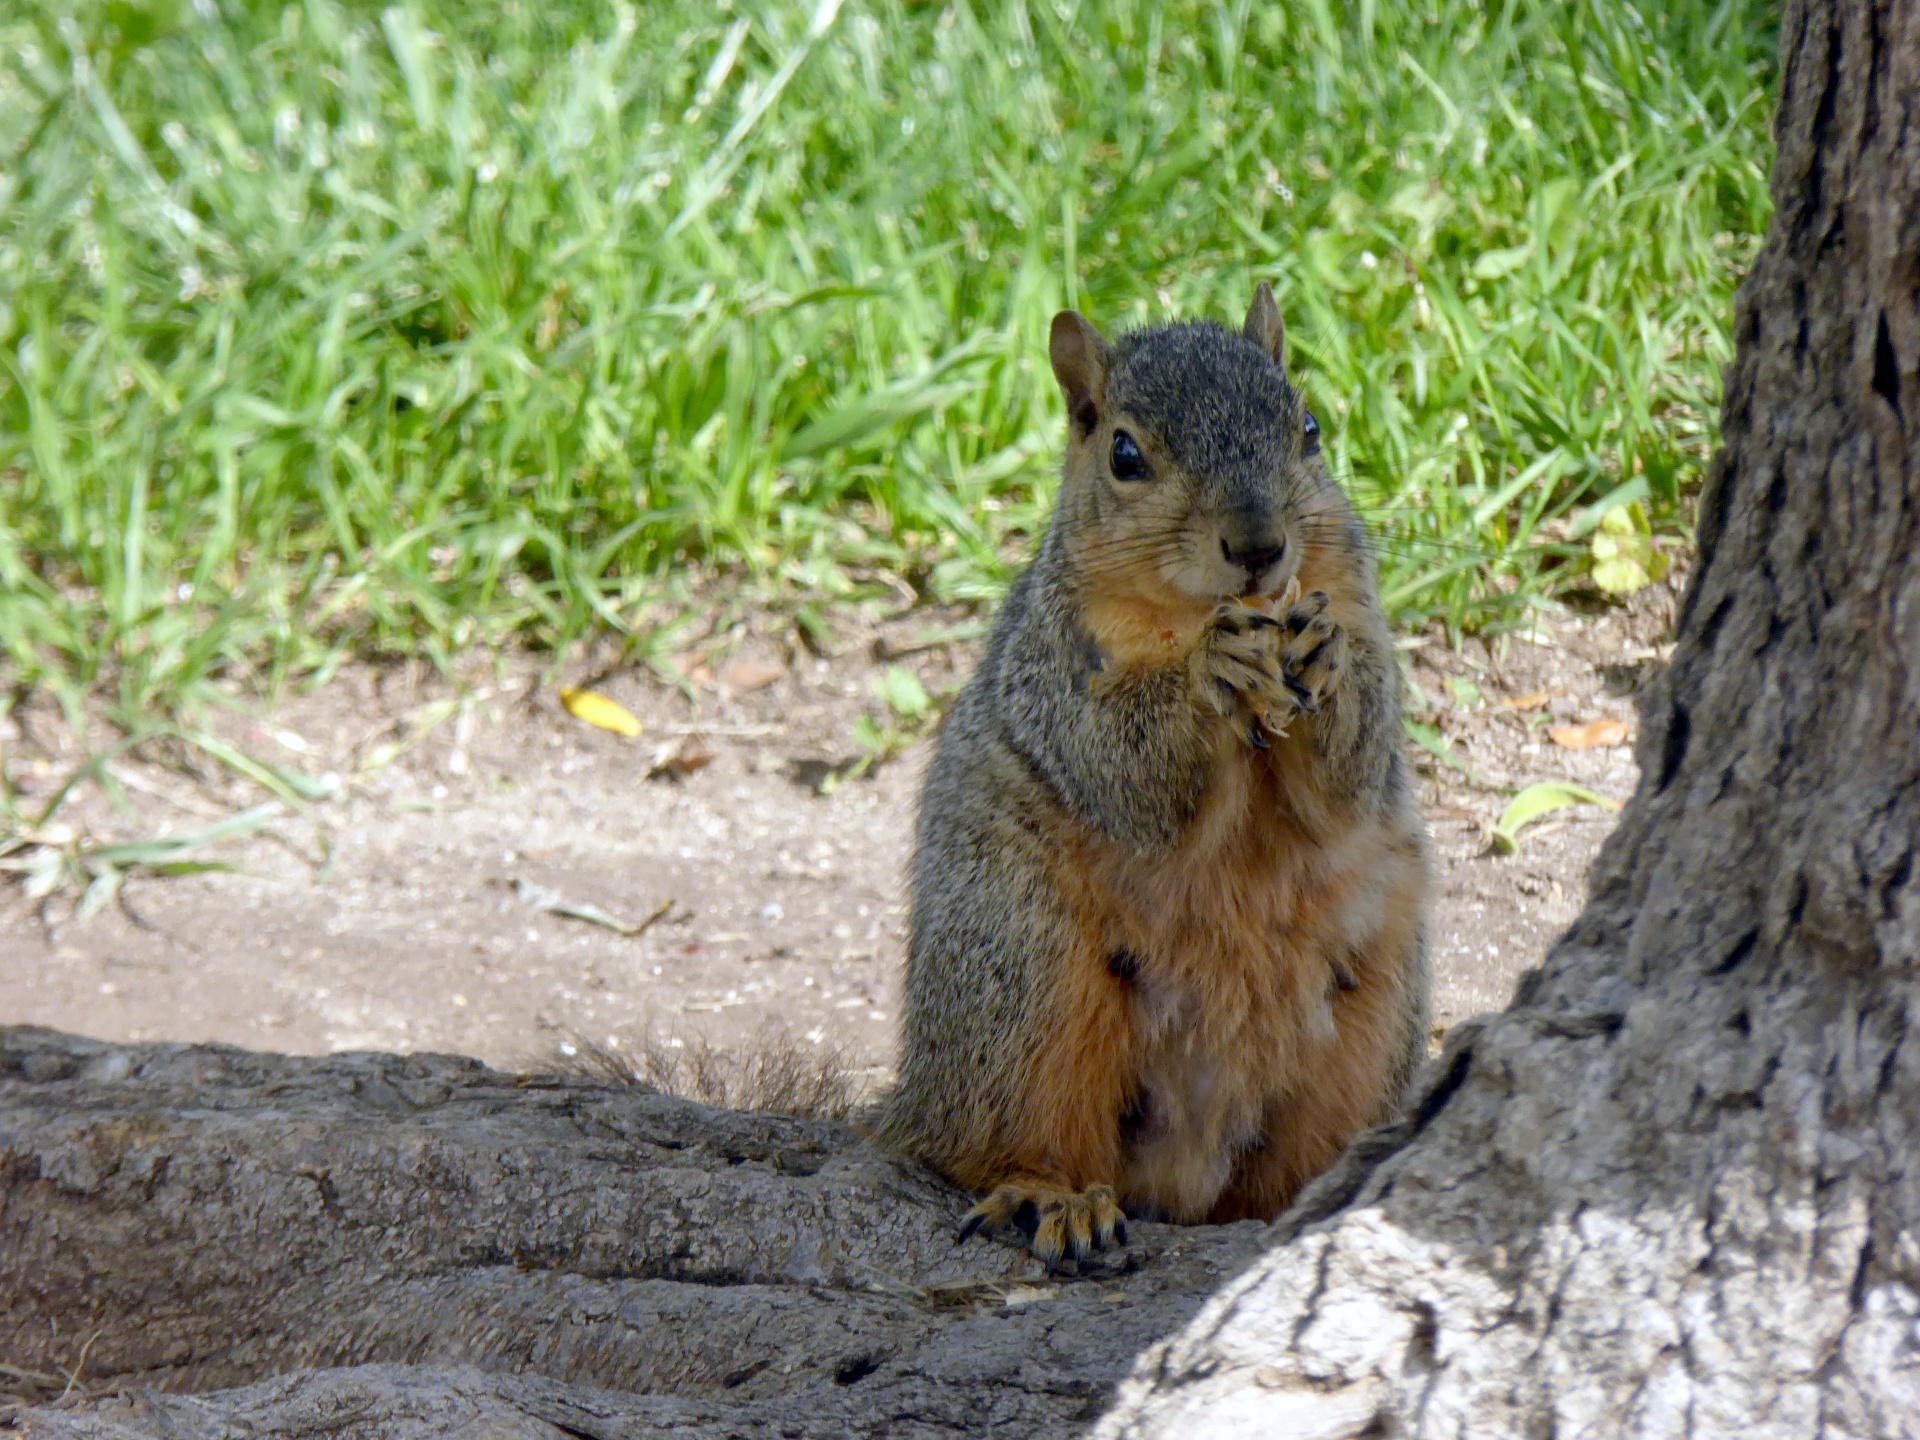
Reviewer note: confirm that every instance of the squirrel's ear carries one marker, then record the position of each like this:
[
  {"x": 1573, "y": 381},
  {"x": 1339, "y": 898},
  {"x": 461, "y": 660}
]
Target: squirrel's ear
[
  {"x": 1264, "y": 326},
  {"x": 1079, "y": 357}
]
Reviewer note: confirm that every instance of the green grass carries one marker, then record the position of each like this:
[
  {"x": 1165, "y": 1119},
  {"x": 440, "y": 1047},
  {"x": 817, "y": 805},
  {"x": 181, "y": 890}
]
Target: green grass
[{"x": 328, "y": 328}]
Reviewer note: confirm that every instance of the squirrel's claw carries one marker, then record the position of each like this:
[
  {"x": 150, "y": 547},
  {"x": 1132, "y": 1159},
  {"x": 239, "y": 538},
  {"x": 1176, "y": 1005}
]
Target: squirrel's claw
[
  {"x": 1266, "y": 670},
  {"x": 1060, "y": 1225},
  {"x": 1061, "y": 1235},
  {"x": 1310, "y": 664},
  {"x": 1311, "y": 607}
]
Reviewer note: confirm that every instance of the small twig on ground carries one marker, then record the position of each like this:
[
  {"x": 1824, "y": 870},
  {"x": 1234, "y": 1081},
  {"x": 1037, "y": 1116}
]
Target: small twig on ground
[
  {"x": 79, "y": 1366},
  {"x": 661, "y": 911},
  {"x": 554, "y": 903},
  {"x": 40, "y": 1379}
]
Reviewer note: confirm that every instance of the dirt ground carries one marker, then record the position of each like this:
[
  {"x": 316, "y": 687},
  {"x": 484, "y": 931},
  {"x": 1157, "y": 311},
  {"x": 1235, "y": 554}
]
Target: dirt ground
[{"x": 412, "y": 911}]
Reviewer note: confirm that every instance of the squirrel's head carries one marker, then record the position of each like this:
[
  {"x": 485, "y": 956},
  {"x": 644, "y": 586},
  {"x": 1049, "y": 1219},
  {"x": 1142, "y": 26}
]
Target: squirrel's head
[{"x": 1192, "y": 465}]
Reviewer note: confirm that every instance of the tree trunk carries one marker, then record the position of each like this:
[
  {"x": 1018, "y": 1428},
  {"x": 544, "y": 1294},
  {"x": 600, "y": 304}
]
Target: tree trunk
[
  {"x": 183, "y": 1218},
  {"x": 1675, "y": 1190}
]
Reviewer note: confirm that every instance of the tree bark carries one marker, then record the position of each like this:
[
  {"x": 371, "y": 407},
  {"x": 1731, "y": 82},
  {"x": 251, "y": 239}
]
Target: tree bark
[
  {"x": 1675, "y": 1190},
  {"x": 416, "y": 1246}
]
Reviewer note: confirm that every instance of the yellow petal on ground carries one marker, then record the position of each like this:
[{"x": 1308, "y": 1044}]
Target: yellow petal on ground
[{"x": 599, "y": 711}]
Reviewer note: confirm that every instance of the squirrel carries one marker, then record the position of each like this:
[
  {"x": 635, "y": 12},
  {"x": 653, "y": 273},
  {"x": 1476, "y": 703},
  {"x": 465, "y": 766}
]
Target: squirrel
[{"x": 1166, "y": 951}]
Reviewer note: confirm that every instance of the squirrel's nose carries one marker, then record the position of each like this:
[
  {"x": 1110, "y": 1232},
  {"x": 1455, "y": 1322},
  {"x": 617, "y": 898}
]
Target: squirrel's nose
[{"x": 1252, "y": 558}]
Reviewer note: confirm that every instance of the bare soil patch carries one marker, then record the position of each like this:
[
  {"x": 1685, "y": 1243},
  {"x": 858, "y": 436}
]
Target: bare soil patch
[{"x": 406, "y": 914}]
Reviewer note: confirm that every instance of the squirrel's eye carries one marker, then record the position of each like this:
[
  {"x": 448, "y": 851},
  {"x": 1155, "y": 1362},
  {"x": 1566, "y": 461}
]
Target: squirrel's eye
[
  {"x": 1310, "y": 436},
  {"x": 1127, "y": 461}
]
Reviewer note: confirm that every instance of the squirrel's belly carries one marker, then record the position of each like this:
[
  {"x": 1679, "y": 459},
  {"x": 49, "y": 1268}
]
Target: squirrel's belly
[
  {"x": 1260, "y": 1015},
  {"x": 1186, "y": 1131},
  {"x": 1205, "y": 1082}
]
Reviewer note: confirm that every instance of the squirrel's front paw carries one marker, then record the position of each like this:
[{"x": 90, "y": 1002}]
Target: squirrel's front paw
[
  {"x": 1059, "y": 1224},
  {"x": 1266, "y": 670},
  {"x": 1313, "y": 651},
  {"x": 1237, "y": 666}
]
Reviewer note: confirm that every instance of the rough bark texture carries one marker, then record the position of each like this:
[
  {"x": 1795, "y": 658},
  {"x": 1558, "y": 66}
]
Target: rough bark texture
[
  {"x": 195, "y": 1217},
  {"x": 1675, "y": 1191}
]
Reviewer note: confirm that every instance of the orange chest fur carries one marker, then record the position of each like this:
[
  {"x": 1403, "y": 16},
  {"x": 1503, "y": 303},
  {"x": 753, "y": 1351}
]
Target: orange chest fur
[{"x": 1218, "y": 909}]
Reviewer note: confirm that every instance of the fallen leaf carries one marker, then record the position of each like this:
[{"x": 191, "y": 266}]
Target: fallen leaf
[
  {"x": 599, "y": 712},
  {"x": 678, "y": 759},
  {"x": 1541, "y": 799},
  {"x": 1019, "y": 1295},
  {"x": 746, "y": 675},
  {"x": 1594, "y": 735},
  {"x": 1528, "y": 702}
]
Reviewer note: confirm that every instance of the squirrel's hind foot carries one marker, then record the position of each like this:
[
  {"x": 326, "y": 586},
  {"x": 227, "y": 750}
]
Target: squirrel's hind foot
[{"x": 1060, "y": 1225}]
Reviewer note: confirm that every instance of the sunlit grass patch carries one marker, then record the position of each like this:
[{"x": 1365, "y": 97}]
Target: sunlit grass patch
[{"x": 328, "y": 327}]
